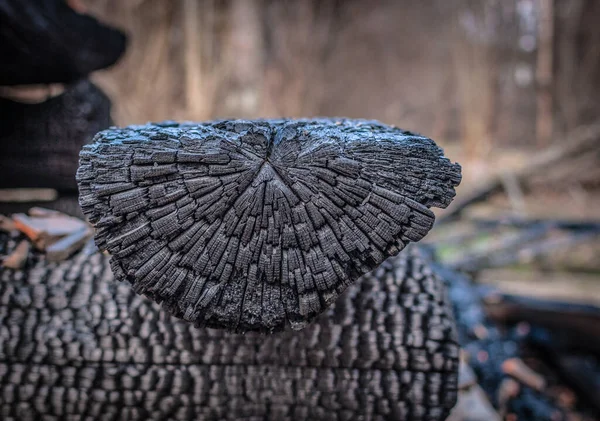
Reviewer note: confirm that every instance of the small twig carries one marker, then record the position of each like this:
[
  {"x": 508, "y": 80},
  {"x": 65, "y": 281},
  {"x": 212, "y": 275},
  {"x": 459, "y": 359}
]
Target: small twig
[
  {"x": 7, "y": 224},
  {"x": 68, "y": 245},
  {"x": 513, "y": 191},
  {"x": 18, "y": 257},
  {"x": 28, "y": 195},
  {"x": 516, "y": 368},
  {"x": 508, "y": 389}
]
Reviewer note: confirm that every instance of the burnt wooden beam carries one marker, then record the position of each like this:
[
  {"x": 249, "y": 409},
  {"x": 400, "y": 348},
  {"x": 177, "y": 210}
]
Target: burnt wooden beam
[{"x": 255, "y": 225}]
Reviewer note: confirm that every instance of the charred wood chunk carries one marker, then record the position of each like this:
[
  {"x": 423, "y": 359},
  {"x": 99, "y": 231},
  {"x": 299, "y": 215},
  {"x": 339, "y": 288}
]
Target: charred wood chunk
[
  {"x": 48, "y": 42},
  {"x": 494, "y": 354},
  {"x": 77, "y": 345},
  {"x": 254, "y": 225},
  {"x": 40, "y": 143}
]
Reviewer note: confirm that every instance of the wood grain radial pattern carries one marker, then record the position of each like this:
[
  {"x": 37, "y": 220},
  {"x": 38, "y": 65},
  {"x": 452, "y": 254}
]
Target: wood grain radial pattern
[{"x": 253, "y": 225}]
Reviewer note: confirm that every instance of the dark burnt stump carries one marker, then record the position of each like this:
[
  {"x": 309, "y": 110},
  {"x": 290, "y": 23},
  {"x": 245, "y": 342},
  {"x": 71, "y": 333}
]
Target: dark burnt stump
[
  {"x": 250, "y": 227},
  {"x": 256, "y": 225}
]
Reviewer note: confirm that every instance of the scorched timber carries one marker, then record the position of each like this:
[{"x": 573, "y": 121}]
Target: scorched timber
[{"x": 253, "y": 225}]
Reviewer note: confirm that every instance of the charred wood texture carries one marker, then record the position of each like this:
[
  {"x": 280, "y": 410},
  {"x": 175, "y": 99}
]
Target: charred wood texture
[
  {"x": 254, "y": 225},
  {"x": 45, "y": 41},
  {"x": 78, "y": 345},
  {"x": 40, "y": 143}
]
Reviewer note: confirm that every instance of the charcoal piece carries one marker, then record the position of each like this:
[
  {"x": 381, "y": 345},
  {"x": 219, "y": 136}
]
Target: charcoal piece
[
  {"x": 45, "y": 41},
  {"x": 577, "y": 363},
  {"x": 489, "y": 347},
  {"x": 40, "y": 143},
  {"x": 254, "y": 225},
  {"x": 77, "y": 345}
]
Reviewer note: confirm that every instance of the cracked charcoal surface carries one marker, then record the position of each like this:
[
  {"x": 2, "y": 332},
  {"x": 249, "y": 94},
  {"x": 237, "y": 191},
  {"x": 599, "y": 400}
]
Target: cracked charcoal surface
[
  {"x": 250, "y": 225},
  {"x": 77, "y": 345}
]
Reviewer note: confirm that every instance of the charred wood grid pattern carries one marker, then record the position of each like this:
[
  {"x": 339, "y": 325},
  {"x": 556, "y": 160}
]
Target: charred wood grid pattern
[
  {"x": 249, "y": 225},
  {"x": 77, "y": 345}
]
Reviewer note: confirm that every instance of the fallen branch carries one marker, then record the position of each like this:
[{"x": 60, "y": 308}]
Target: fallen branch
[
  {"x": 502, "y": 253},
  {"x": 582, "y": 140},
  {"x": 510, "y": 253},
  {"x": 572, "y": 321},
  {"x": 565, "y": 224},
  {"x": 18, "y": 257}
]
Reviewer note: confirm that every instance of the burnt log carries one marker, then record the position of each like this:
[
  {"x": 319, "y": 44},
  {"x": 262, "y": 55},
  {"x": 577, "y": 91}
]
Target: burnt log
[
  {"x": 40, "y": 143},
  {"x": 576, "y": 365},
  {"x": 258, "y": 225},
  {"x": 78, "y": 345}
]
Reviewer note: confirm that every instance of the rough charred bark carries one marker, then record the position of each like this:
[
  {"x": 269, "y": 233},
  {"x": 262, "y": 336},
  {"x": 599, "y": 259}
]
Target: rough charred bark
[
  {"x": 78, "y": 345},
  {"x": 254, "y": 225}
]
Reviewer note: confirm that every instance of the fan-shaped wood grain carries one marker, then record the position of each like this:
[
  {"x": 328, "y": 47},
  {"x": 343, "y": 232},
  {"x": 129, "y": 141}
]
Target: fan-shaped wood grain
[{"x": 249, "y": 225}]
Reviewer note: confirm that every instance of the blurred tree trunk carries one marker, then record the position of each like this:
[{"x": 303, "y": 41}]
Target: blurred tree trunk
[
  {"x": 577, "y": 62},
  {"x": 243, "y": 59},
  {"x": 544, "y": 72},
  {"x": 300, "y": 37},
  {"x": 570, "y": 18},
  {"x": 476, "y": 69},
  {"x": 193, "y": 59}
]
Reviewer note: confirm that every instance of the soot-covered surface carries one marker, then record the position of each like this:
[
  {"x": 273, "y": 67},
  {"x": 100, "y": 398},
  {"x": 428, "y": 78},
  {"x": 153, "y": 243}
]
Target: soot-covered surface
[{"x": 253, "y": 225}]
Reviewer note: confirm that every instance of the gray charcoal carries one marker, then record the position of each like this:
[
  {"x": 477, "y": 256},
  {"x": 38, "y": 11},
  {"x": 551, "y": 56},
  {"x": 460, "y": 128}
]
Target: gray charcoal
[{"x": 256, "y": 225}]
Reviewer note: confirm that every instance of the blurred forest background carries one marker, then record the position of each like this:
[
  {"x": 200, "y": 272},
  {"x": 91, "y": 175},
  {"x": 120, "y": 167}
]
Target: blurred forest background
[
  {"x": 509, "y": 88},
  {"x": 492, "y": 81}
]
